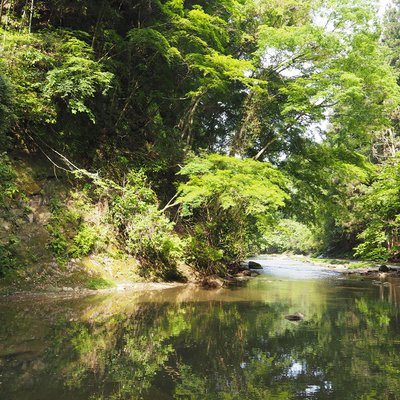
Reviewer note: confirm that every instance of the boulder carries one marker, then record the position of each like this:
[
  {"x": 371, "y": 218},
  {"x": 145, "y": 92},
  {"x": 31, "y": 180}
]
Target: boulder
[
  {"x": 384, "y": 268},
  {"x": 254, "y": 265},
  {"x": 243, "y": 266}
]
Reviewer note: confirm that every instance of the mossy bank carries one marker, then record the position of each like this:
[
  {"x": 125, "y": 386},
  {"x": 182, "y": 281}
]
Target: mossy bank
[{"x": 57, "y": 233}]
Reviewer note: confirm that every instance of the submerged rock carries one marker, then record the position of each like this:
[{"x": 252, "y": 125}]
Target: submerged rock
[{"x": 295, "y": 317}]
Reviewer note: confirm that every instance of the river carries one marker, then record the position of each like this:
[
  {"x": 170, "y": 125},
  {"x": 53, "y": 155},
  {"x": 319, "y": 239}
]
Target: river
[{"x": 225, "y": 344}]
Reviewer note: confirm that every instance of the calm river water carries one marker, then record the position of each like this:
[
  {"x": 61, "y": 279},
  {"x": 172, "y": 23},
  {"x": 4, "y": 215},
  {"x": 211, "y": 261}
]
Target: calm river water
[{"x": 222, "y": 344}]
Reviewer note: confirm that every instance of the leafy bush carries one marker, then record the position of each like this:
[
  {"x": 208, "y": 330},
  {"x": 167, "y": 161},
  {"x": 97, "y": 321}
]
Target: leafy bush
[
  {"x": 143, "y": 229},
  {"x": 70, "y": 235},
  {"x": 226, "y": 205},
  {"x": 84, "y": 241},
  {"x": 207, "y": 259},
  {"x": 58, "y": 243}
]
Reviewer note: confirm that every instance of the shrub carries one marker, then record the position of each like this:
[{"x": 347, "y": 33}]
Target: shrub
[
  {"x": 84, "y": 241},
  {"x": 70, "y": 235},
  {"x": 143, "y": 229}
]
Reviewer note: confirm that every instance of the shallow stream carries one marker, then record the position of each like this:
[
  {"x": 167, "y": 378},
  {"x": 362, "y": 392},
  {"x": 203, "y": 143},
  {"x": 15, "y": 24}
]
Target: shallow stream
[{"x": 185, "y": 343}]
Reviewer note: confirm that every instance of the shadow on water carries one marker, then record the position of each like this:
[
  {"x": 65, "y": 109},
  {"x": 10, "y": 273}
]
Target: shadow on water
[{"x": 186, "y": 343}]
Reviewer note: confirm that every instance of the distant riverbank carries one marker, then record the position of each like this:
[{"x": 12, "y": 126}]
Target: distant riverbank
[{"x": 345, "y": 266}]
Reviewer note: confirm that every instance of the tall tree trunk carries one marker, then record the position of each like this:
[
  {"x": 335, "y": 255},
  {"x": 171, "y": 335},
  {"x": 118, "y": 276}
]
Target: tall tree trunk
[
  {"x": 31, "y": 15},
  {"x": 187, "y": 121},
  {"x": 238, "y": 139},
  {"x": 1, "y": 10}
]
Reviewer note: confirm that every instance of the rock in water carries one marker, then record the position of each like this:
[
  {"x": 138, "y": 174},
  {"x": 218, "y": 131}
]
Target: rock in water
[
  {"x": 254, "y": 265},
  {"x": 246, "y": 272},
  {"x": 384, "y": 268},
  {"x": 212, "y": 282},
  {"x": 295, "y": 317}
]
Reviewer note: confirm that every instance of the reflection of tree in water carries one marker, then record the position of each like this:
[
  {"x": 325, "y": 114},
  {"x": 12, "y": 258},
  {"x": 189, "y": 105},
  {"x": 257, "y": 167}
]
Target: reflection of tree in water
[
  {"x": 117, "y": 357},
  {"x": 216, "y": 350},
  {"x": 349, "y": 353}
]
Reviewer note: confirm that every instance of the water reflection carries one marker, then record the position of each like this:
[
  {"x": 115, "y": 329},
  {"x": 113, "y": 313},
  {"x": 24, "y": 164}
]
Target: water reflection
[{"x": 193, "y": 344}]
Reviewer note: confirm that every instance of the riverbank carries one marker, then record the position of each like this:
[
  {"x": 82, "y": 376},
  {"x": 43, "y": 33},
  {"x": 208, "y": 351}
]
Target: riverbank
[
  {"x": 348, "y": 267},
  {"x": 79, "y": 280},
  {"x": 73, "y": 281}
]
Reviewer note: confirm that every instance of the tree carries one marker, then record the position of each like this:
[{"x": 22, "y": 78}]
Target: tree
[{"x": 226, "y": 205}]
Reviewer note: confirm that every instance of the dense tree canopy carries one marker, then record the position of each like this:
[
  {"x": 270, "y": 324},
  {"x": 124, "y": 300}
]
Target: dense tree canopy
[{"x": 306, "y": 89}]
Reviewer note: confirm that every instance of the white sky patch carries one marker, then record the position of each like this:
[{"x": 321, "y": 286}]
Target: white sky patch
[
  {"x": 383, "y": 4},
  {"x": 248, "y": 73},
  {"x": 317, "y": 130}
]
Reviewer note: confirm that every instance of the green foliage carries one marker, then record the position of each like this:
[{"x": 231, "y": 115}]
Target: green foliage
[
  {"x": 303, "y": 85},
  {"x": 251, "y": 186},
  {"x": 6, "y": 112},
  {"x": 391, "y": 34},
  {"x": 290, "y": 236},
  {"x": 8, "y": 185},
  {"x": 70, "y": 235},
  {"x": 222, "y": 198},
  {"x": 8, "y": 189},
  {"x": 143, "y": 229},
  {"x": 152, "y": 39},
  {"x": 78, "y": 78},
  {"x": 84, "y": 241},
  {"x": 379, "y": 214},
  {"x": 326, "y": 181},
  {"x": 50, "y": 70},
  {"x": 98, "y": 283},
  {"x": 8, "y": 259},
  {"x": 150, "y": 237}
]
